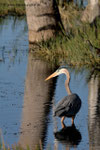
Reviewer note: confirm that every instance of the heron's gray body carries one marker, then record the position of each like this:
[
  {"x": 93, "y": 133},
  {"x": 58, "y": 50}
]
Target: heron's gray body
[{"x": 68, "y": 106}]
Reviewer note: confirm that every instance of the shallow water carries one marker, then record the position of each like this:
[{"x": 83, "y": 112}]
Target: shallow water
[
  {"x": 13, "y": 55},
  {"x": 78, "y": 83},
  {"x": 27, "y": 102}
]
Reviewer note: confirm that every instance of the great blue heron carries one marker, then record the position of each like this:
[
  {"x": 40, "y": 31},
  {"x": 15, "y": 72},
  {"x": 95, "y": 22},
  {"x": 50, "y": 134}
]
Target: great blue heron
[{"x": 69, "y": 105}]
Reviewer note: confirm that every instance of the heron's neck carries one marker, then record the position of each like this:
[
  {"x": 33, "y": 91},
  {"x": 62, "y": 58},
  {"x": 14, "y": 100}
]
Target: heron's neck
[
  {"x": 67, "y": 88},
  {"x": 67, "y": 83}
]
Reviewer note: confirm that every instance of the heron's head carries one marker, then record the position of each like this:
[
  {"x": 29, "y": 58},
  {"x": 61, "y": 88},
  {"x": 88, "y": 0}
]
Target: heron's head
[{"x": 57, "y": 72}]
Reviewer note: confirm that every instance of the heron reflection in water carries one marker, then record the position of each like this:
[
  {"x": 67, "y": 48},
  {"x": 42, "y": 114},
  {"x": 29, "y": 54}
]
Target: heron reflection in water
[
  {"x": 69, "y": 105},
  {"x": 69, "y": 136}
]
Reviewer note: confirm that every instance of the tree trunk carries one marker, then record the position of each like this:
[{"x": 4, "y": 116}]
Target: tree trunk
[
  {"x": 42, "y": 18},
  {"x": 91, "y": 12}
]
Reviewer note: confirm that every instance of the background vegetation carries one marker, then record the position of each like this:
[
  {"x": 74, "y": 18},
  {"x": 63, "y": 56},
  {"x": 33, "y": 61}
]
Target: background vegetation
[{"x": 12, "y": 7}]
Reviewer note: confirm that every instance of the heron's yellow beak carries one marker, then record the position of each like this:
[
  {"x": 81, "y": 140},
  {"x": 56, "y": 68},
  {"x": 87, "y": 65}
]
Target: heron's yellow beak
[{"x": 51, "y": 76}]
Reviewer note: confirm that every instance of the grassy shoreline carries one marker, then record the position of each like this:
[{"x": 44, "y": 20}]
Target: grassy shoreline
[
  {"x": 78, "y": 47},
  {"x": 72, "y": 52},
  {"x": 72, "y": 48},
  {"x": 12, "y": 7}
]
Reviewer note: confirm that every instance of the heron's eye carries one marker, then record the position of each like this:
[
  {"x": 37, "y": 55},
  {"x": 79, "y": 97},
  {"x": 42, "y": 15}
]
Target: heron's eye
[{"x": 57, "y": 71}]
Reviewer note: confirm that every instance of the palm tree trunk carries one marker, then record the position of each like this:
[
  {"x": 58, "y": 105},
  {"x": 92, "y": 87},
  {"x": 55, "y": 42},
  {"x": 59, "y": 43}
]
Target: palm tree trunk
[
  {"x": 42, "y": 18},
  {"x": 91, "y": 12}
]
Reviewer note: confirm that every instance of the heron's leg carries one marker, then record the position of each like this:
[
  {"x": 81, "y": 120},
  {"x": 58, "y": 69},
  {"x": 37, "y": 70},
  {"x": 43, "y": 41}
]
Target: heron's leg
[
  {"x": 73, "y": 120},
  {"x": 62, "y": 122}
]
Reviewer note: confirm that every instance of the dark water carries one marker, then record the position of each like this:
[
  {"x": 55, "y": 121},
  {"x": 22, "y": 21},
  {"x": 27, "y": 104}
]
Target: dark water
[{"x": 27, "y": 102}]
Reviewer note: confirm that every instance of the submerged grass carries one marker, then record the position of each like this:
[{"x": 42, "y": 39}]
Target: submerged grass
[{"x": 13, "y": 7}]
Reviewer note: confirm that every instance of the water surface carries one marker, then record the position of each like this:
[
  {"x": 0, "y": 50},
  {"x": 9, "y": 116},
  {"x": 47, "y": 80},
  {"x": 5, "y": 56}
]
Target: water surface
[{"x": 13, "y": 64}]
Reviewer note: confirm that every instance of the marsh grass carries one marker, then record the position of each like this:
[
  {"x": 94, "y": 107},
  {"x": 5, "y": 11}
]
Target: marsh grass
[
  {"x": 73, "y": 50},
  {"x": 16, "y": 147},
  {"x": 74, "y": 46},
  {"x": 13, "y": 7}
]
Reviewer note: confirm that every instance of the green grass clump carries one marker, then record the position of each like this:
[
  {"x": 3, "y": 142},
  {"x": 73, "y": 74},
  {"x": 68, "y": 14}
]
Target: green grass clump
[
  {"x": 78, "y": 46},
  {"x": 13, "y": 7},
  {"x": 74, "y": 50}
]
